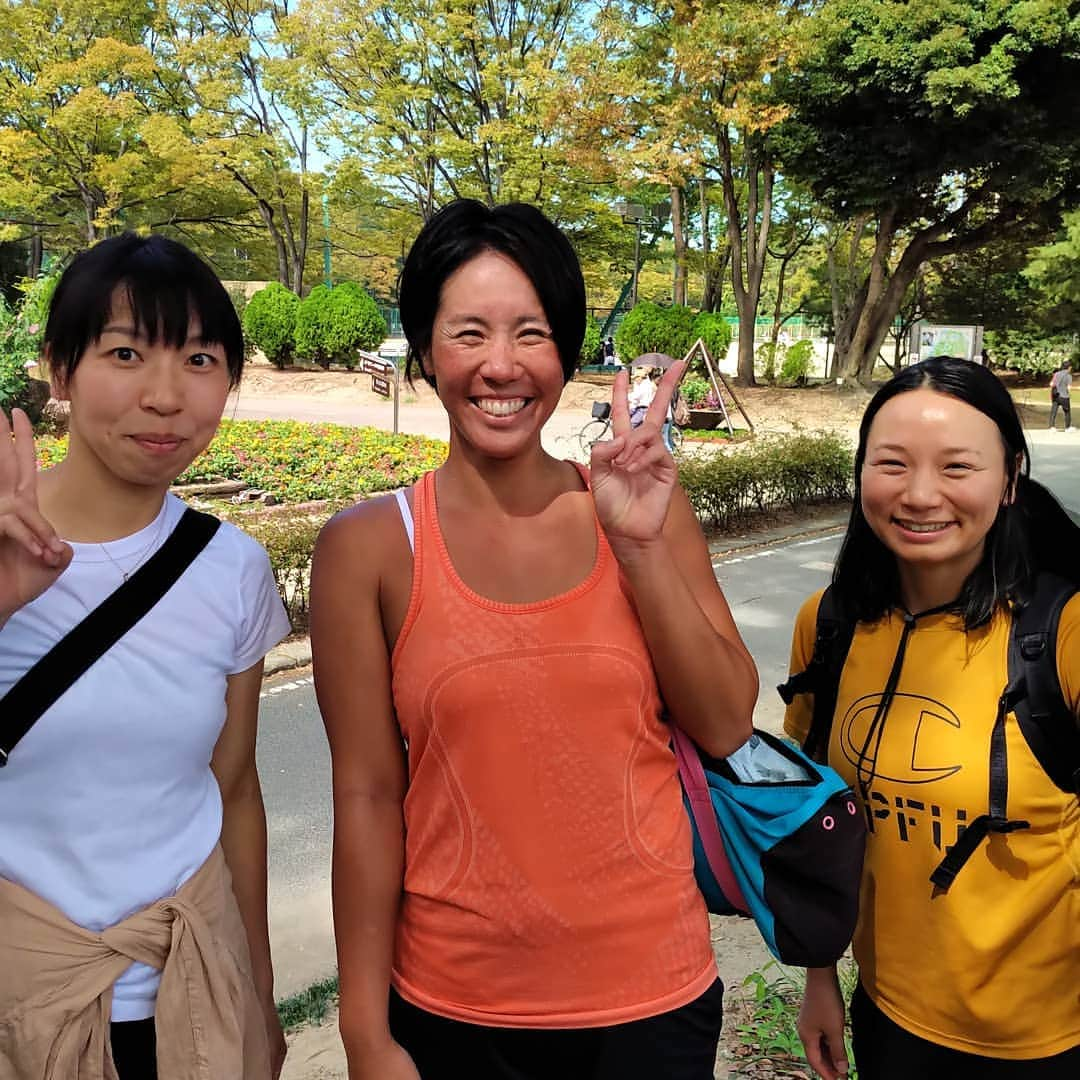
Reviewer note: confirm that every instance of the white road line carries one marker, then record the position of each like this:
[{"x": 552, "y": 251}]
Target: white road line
[
  {"x": 725, "y": 561},
  {"x": 296, "y": 684}
]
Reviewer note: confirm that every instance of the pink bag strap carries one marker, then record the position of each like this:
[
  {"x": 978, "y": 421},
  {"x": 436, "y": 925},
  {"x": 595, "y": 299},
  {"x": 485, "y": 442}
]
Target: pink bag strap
[{"x": 692, "y": 774}]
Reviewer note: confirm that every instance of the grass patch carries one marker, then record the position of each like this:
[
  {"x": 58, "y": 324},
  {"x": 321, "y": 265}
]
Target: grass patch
[
  {"x": 310, "y": 1006},
  {"x": 769, "y": 1031},
  {"x": 714, "y": 435}
]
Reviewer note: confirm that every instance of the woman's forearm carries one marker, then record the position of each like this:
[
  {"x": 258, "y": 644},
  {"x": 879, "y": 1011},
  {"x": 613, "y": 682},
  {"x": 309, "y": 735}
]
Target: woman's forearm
[
  {"x": 243, "y": 840},
  {"x": 708, "y": 681},
  {"x": 368, "y": 868}
]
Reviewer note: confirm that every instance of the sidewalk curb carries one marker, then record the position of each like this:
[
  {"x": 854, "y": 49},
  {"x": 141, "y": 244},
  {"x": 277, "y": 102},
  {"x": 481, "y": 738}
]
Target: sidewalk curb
[{"x": 297, "y": 653}]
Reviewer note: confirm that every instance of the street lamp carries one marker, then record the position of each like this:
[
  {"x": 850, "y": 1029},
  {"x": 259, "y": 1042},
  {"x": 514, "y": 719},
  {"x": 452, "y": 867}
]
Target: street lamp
[{"x": 634, "y": 214}]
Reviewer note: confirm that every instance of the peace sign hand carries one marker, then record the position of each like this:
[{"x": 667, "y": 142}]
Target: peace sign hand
[
  {"x": 32, "y": 556},
  {"x": 633, "y": 474}
]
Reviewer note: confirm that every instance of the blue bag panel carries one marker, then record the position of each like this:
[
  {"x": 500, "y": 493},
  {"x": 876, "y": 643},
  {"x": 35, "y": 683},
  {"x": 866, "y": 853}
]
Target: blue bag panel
[
  {"x": 715, "y": 900},
  {"x": 814, "y": 912},
  {"x": 795, "y": 851}
]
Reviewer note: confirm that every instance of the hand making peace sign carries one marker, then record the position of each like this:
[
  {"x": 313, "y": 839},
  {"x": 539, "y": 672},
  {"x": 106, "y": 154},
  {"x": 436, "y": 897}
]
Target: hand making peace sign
[
  {"x": 32, "y": 556},
  {"x": 634, "y": 474}
]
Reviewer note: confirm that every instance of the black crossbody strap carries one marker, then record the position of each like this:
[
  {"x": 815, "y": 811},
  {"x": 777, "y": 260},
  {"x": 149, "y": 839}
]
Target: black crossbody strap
[{"x": 54, "y": 674}]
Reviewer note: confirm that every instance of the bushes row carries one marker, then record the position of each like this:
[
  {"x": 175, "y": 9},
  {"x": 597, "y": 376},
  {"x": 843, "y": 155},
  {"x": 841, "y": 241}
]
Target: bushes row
[
  {"x": 788, "y": 470},
  {"x": 328, "y": 326}
]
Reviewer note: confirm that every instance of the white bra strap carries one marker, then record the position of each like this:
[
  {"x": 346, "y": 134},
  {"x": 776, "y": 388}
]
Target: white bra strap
[{"x": 406, "y": 517}]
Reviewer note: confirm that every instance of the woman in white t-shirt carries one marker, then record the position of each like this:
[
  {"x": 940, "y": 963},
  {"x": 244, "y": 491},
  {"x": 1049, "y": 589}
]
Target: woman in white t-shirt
[{"x": 118, "y": 804}]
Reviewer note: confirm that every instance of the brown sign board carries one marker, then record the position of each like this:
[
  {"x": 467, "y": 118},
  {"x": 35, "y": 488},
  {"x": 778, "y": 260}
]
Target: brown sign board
[
  {"x": 380, "y": 385},
  {"x": 374, "y": 365}
]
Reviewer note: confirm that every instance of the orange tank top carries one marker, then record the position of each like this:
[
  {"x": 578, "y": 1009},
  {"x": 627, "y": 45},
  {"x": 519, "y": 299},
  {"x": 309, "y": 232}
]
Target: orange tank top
[{"x": 548, "y": 866}]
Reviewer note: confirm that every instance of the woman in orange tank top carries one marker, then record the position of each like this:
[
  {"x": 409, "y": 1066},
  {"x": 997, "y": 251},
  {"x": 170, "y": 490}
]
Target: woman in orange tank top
[{"x": 513, "y": 882}]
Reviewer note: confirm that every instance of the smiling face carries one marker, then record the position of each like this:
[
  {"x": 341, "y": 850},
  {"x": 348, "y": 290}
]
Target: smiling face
[
  {"x": 496, "y": 366},
  {"x": 143, "y": 411},
  {"x": 932, "y": 482}
]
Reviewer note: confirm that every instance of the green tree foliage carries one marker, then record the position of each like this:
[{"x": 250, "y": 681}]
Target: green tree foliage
[
  {"x": 649, "y": 327},
  {"x": 715, "y": 331},
  {"x": 1054, "y": 273},
  {"x": 592, "y": 346},
  {"x": 270, "y": 322},
  {"x": 925, "y": 117}
]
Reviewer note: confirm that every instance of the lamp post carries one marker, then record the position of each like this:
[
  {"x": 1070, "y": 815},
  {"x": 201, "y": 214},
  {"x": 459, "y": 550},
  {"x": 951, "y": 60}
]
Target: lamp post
[
  {"x": 634, "y": 214},
  {"x": 327, "y": 279}
]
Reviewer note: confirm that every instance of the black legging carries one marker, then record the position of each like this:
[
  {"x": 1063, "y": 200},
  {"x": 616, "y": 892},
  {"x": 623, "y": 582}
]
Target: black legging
[
  {"x": 885, "y": 1051},
  {"x": 134, "y": 1047}
]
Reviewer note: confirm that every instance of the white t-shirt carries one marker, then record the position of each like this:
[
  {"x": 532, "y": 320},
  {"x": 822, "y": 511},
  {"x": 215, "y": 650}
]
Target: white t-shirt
[
  {"x": 641, "y": 394},
  {"x": 108, "y": 803}
]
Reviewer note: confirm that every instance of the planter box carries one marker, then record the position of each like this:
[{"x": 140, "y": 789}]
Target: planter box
[{"x": 705, "y": 419}]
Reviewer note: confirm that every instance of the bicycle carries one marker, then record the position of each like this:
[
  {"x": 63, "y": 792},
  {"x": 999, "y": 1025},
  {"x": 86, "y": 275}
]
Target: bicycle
[{"x": 599, "y": 428}]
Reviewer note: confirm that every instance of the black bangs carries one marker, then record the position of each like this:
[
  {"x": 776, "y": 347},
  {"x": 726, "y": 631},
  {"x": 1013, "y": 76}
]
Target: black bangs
[{"x": 165, "y": 286}]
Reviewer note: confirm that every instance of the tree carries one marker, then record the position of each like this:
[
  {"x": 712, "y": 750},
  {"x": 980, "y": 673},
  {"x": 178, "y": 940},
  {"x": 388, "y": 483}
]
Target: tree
[
  {"x": 78, "y": 87},
  {"x": 1054, "y": 274},
  {"x": 923, "y": 120},
  {"x": 244, "y": 100}
]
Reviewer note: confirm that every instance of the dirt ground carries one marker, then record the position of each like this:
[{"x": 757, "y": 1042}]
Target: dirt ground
[{"x": 772, "y": 409}]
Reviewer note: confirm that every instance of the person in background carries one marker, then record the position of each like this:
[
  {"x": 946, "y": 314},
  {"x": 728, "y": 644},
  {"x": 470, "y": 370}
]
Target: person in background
[
  {"x": 1060, "y": 384},
  {"x": 133, "y": 931},
  {"x": 642, "y": 394},
  {"x": 609, "y": 351},
  {"x": 514, "y": 894}
]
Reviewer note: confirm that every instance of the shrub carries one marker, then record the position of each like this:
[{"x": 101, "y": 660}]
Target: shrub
[
  {"x": 649, "y": 327},
  {"x": 766, "y": 360},
  {"x": 333, "y": 323},
  {"x": 1027, "y": 352},
  {"x": 715, "y": 331},
  {"x": 353, "y": 322},
  {"x": 21, "y": 331},
  {"x": 270, "y": 322},
  {"x": 695, "y": 389},
  {"x": 789, "y": 470},
  {"x": 312, "y": 333},
  {"x": 592, "y": 346},
  {"x": 797, "y": 360}
]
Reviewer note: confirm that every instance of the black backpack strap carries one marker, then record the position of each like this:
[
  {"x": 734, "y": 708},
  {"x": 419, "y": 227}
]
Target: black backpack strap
[
  {"x": 54, "y": 674},
  {"x": 1034, "y": 696},
  {"x": 1049, "y": 726},
  {"x": 832, "y": 639},
  {"x": 997, "y": 819}
]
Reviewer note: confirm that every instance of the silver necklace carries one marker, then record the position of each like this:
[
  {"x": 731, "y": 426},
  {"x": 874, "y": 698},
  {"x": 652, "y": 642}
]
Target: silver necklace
[{"x": 141, "y": 554}]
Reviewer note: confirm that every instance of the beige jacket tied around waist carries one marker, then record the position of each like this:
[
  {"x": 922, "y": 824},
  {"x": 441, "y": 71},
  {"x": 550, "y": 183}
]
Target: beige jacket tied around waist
[{"x": 56, "y": 983}]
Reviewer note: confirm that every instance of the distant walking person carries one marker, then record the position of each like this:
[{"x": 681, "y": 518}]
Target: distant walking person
[
  {"x": 1060, "y": 382},
  {"x": 609, "y": 351}
]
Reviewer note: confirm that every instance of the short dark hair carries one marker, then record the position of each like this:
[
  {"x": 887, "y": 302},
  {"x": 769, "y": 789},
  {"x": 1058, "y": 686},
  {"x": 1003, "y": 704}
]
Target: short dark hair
[
  {"x": 166, "y": 284},
  {"x": 1030, "y": 534},
  {"x": 465, "y": 228}
]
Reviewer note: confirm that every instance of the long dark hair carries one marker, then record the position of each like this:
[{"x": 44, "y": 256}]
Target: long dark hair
[{"x": 1032, "y": 533}]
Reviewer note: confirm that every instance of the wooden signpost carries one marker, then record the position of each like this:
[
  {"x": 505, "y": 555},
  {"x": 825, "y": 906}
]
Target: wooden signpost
[{"x": 382, "y": 371}]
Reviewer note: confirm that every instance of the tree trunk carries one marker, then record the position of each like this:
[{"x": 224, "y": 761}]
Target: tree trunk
[
  {"x": 706, "y": 249},
  {"x": 36, "y": 255},
  {"x": 868, "y": 333},
  {"x": 778, "y": 307},
  {"x": 678, "y": 228}
]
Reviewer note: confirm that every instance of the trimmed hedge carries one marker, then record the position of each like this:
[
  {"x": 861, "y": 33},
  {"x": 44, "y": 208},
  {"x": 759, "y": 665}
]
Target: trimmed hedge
[{"x": 786, "y": 470}]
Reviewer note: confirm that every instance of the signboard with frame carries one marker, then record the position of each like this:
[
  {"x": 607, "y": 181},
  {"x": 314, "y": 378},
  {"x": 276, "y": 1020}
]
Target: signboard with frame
[{"x": 380, "y": 385}]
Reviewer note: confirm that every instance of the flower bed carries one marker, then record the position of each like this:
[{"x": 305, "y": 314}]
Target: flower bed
[{"x": 300, "y": 462}]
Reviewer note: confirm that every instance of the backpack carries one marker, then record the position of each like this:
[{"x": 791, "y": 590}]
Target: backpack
[{"x": 1032, "y": 693}]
